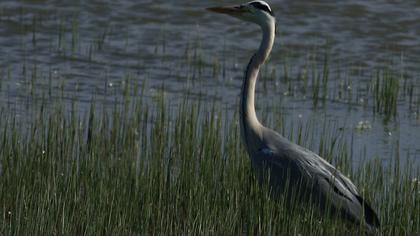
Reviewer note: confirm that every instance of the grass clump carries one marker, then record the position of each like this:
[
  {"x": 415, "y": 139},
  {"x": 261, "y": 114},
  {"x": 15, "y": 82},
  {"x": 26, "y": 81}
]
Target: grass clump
[
  {"x": 386, "y": 89},
  {"x": 141, "y": 170}
]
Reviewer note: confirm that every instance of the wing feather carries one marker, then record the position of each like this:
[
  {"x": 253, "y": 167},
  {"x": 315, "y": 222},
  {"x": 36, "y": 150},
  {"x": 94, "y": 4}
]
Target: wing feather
[{"x": 327, "y": 181}]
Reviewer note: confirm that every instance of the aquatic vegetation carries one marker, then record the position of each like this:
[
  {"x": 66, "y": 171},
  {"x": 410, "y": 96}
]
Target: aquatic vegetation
[
  {"x": 385, "y": 93},
  {"x": 135, "y": 162},
  {"x": 133, "y": 169}
]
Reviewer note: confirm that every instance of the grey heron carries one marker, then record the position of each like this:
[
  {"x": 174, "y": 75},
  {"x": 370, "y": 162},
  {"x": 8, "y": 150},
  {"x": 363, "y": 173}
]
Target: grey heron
[{"x": 284, "y": 162}]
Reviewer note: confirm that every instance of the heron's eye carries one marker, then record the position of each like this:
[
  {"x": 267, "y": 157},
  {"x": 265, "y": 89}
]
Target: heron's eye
[{"x": 262, "y": 7}]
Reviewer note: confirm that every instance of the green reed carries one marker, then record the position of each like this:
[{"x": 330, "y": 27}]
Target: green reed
[
  {"x": 386, "y": 90},
  {"x": 135, "y": 169},
  {"x": 141, "y": 169}
]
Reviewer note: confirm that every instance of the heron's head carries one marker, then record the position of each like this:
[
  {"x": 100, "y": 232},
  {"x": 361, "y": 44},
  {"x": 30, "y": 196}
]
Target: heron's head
[{"x": 258, "y": 12}]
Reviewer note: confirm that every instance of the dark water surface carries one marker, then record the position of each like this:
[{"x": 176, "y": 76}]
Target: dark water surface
[{"x": 78, "y": 50}]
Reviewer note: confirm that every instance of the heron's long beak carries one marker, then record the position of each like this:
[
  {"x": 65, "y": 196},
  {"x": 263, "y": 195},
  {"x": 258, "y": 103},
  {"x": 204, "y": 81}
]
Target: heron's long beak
[{"x": 235, "y": 10}]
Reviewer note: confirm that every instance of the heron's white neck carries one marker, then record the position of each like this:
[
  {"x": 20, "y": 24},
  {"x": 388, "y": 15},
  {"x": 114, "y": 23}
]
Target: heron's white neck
[{"x": 250, "y": 126}]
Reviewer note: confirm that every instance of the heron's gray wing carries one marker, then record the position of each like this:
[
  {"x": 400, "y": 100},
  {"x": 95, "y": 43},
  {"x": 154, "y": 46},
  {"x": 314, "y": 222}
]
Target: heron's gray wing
[
  {"x": 342, "y": 192},
  {"x": 285, "y": 176},
  {"x": 327, "y": 182}
]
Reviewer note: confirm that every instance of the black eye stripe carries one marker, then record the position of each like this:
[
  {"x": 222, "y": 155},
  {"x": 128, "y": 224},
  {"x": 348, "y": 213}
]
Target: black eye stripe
[{"x": 261, "y": 6}]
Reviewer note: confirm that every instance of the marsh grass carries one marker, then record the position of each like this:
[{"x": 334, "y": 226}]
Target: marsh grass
[
  {"x": 135, "y": 170},
  {"x": 386, "y": 90},
  {"x": 132, "y": 168}
]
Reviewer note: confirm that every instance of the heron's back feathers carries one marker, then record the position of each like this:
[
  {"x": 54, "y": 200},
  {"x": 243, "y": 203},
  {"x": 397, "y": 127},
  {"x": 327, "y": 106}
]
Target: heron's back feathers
[{"x": 325, "y": 185}]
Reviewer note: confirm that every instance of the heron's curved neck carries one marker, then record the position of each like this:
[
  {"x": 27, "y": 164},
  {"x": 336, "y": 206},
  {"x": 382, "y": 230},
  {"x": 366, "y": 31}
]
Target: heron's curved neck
[{"x": 250, "y": 126}]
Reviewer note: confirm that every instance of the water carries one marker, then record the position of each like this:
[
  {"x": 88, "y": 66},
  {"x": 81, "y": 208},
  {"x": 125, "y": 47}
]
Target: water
[{"x": 79, "y": 50}]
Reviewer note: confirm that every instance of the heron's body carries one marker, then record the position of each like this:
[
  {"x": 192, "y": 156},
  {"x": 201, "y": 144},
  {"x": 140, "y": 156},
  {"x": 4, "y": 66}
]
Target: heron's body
[{"x": 288, "y": 165}]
